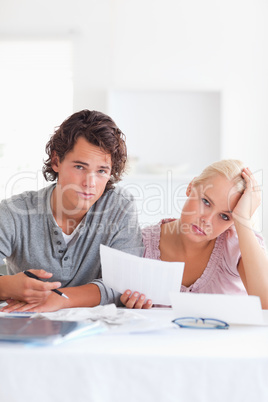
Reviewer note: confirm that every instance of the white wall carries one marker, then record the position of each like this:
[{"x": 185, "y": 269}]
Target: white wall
[
  {"x": 161, "y": 126},
  {"x": 208, "y": 45}
]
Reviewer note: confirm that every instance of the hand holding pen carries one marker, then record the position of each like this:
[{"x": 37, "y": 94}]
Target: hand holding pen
[{"x": 33, "y": 276}]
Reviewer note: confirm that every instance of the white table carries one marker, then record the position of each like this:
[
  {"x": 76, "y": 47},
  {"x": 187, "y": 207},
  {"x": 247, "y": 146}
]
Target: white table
[{"x": 168, "y": 365}]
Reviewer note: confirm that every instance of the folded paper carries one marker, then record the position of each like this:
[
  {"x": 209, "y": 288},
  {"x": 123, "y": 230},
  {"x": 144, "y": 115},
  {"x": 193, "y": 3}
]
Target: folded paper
[{"x": 234, "y": 309}]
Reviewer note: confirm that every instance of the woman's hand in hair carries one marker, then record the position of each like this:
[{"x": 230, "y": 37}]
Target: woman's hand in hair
[{"x": 249, "y": 201}]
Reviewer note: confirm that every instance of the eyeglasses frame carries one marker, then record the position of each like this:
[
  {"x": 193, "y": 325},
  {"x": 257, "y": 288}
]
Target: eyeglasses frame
[{"x": 219, "y": 324}]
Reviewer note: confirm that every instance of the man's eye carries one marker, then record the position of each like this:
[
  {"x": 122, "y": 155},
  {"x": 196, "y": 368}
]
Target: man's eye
[
  {"x": 205, "y": 201},
  {"x": 79, "y": 167},
  {"x": 225, "y": 217},
  {"x": 102, "y": 172}
]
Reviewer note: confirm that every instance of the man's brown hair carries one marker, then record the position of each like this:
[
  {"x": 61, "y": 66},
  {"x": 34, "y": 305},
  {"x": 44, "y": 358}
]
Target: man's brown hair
[{"x": 99, "y": 130}]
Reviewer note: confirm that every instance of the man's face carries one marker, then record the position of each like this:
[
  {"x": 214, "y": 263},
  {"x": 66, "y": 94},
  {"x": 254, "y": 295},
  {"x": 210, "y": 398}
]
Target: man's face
[{"x": 82, "y": 177}]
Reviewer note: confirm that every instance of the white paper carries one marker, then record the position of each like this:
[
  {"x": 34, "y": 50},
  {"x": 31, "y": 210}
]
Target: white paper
[
  {"x": 154, "y": 278},
  {"x": 234, "y": 309}
]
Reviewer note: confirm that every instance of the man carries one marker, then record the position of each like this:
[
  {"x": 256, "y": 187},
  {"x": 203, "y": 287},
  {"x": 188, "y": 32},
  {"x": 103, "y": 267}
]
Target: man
[{"x": 55, "y": 233}]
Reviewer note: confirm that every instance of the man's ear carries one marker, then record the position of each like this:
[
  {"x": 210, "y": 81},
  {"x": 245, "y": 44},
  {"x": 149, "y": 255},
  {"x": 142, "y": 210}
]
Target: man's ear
[{"x": 55, "y": 162}]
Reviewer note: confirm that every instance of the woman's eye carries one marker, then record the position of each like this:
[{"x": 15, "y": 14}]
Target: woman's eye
[
  {"x": 205, "y": 201},
  {"x": 225, "y": 217}
]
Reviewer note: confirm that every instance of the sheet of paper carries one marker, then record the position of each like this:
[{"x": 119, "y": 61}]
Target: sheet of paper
[
  {"x": 234, "y": 309},
  {"x": 154, "y": 278}
]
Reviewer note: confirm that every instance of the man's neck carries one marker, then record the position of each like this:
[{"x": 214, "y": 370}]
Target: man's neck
[{"x": 66, "y": 221}]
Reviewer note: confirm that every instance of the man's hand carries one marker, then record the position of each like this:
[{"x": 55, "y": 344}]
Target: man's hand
[
  {"x": 21, "y": 287},
  {"x": 135, "y": 300},
  {"x": 53, "y": 302}
]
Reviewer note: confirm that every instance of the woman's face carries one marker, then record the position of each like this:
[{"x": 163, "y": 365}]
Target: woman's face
[{"x": 208, "y": 210}]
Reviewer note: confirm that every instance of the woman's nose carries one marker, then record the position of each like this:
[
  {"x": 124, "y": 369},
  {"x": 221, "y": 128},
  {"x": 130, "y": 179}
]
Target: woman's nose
[{"x": 207, "y": 218}]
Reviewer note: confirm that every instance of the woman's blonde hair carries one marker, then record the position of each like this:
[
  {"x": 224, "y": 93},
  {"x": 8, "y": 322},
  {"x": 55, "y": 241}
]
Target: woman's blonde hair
[{"x": 229, "y": 168}]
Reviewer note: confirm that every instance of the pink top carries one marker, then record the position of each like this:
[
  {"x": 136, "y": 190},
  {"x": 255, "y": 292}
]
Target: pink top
[{"x": 220, "y": 275}]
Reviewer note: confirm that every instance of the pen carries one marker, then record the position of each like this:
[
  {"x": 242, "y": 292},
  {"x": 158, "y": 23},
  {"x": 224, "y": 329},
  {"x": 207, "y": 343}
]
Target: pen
[{"x": 31, "y": 275}]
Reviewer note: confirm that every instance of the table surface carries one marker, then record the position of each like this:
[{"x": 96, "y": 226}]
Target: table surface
[{"x": 169, "y": 364}]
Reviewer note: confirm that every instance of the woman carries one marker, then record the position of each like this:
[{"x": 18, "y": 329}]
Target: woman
[{"x": 214, "y": 236}]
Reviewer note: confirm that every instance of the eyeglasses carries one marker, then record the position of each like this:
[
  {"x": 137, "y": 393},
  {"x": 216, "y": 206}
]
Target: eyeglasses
[{"x": 200, "y": 323}]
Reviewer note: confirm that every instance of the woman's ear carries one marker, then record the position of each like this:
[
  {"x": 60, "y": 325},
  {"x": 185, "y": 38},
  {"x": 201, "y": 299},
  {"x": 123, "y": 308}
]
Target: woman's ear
[{"x": 189, "y": 188}]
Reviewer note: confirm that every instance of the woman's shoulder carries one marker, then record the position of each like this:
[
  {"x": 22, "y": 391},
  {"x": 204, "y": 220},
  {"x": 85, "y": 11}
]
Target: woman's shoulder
[
  {"x": 154, "y": 231},
  {"x": 151, "y": 239}
]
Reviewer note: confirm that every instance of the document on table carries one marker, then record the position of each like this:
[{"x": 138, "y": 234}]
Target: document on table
[
  {"x": 234, "y": 309},
  {"x": 154, "y": 278}
]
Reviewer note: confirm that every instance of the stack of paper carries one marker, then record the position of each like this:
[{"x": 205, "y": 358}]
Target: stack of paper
[{"x": 44, "y": 331}]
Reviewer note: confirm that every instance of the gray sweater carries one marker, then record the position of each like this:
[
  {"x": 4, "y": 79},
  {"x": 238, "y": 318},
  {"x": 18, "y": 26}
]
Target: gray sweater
[{"x": 31, "y": 239}]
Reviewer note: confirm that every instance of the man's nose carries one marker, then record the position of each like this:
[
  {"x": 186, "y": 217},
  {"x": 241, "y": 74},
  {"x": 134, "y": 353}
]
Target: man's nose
[{"x": 90, "y": 180}]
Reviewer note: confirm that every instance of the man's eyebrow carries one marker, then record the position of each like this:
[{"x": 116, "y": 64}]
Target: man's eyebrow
[
  {"x": 81, "y": 163},
  {"x": 87, "y": 164},
  {"x": 108, "y": 167},
  {"x": 210, "y": 200}
]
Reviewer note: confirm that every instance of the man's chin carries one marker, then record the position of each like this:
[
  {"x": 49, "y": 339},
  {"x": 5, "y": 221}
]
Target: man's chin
[
  {"x": 85, "y": 205},
  {"x": 80, "y": 207}
]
